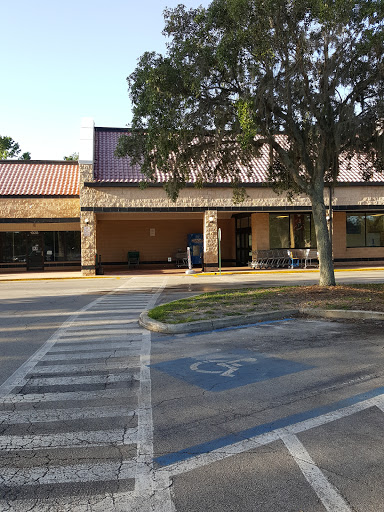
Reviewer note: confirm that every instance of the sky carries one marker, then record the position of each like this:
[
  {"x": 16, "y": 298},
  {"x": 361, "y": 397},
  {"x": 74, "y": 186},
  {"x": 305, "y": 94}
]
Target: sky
[{"x": 64, "y": 60}]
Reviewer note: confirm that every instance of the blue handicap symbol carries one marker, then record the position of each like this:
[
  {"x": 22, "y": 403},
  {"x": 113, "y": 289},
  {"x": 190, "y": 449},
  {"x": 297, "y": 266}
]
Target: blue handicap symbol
[{"x": 227, "y": 370}]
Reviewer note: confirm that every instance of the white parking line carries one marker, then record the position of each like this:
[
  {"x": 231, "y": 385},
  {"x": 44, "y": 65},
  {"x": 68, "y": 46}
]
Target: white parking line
[{"x": 327, "y": 493}]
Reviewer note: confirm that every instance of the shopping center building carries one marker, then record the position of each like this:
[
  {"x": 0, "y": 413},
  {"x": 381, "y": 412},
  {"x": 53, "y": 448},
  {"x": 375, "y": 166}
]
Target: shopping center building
[{"x": 54, "y": 213}]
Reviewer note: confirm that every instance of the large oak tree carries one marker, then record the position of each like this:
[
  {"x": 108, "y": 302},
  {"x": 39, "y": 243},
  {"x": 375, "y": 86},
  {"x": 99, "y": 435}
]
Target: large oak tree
[{"x": 304, "y": 77}]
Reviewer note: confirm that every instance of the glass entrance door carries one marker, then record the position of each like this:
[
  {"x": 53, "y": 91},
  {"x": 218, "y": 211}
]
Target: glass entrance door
[
  {"x": 35, "y": 251},
  {"x": 243, "y": 240}
]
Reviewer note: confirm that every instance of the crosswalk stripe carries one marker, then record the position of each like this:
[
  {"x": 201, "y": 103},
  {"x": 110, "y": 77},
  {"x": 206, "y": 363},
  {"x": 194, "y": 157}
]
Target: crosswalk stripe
[
  {"x": 106, "y": 502},
  {"x": 68, "y": 440},
  {"x": 105, "y": 327},
  {"x": 98, "y": 332},
  {"x": 51, "y": 415},
  {"x": 83, "y": 379},
  {"x": 13, "y": 476},
  {"x": 97, "y": 339},
  {"x": 70, "y": 395},
  {"x": 95, "y": 346},
  {"x": 92, "y": 355},
  {"x": 76, "y": 368}
]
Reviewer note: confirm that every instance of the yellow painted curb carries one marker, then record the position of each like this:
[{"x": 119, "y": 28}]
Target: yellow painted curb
[{"x": 299, "y": 271}]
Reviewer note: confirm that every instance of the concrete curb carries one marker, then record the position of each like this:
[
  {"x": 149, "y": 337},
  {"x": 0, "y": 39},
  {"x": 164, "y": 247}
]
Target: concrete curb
[
  {"x": 216, "y": 323},
  {"x": 342, "y": 313},
  {"x": 219, "y": 323}
]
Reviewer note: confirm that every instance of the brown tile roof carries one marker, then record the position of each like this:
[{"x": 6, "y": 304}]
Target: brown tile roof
[
  {"x": 111, "y": 169},
  {"x": 38, "y": 178}
]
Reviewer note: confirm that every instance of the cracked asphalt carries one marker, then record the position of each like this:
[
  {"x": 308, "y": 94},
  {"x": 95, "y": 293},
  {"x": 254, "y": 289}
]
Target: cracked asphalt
[{"x": 99, "y": 415}]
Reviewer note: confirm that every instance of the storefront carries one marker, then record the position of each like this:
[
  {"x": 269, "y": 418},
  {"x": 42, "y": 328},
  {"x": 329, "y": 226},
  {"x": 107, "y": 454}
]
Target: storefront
[{"x": 39, "y": 215}]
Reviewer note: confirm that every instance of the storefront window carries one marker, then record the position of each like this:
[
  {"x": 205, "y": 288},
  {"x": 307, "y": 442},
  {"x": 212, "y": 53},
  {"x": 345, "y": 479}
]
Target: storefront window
[
  {"x": 374, "y": 230},
  {"x": 62, "y": 246},
  {"x": 58, "y": 246},
  {"x": 293, "y": 230},
  {"x": 279, "y": 231},
  {"x": 365, "y": 230},
  {"x": 13, "y": 247}
]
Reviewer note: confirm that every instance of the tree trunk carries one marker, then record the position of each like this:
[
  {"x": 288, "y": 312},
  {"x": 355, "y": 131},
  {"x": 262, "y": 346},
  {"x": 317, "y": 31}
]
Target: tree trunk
[{"x": 324, "y": 246}]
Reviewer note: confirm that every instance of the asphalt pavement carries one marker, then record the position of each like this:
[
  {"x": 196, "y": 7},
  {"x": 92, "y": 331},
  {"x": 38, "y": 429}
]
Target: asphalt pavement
[{"x": 100, "y": 415}]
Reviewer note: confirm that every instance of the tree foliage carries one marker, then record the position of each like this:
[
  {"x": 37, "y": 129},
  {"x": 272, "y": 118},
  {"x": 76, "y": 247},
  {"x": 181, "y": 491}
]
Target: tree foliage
[
  {"x": 10, "y": 149},
  {"x": 72, "y": 157},
  {"x": 303, "y": 76}
]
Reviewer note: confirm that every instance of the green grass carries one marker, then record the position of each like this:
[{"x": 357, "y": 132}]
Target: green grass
[{"x": 231, "y": 302}]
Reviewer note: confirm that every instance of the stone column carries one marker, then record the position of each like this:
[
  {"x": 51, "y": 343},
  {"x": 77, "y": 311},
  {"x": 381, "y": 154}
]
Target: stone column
[
  {"x": 88, "y": 243},
  {"x": 211, "y": 257},
  {"x": 87, "y": 223}
]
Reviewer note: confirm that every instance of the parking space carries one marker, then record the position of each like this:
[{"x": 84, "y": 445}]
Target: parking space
[{"x": 246, "y": 415}]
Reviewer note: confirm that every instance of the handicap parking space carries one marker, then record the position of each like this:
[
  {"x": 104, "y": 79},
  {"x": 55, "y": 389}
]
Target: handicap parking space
[
  {"x": 240, "y": 408},
  {"x": 220, "y": 371}
]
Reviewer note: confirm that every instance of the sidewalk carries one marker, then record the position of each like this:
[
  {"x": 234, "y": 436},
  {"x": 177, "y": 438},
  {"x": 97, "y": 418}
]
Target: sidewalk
[{"x": 179, "y": 272}]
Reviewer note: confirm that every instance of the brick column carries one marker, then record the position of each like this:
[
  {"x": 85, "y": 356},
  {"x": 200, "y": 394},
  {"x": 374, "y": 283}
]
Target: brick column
[{"x": 211, "y": 257}]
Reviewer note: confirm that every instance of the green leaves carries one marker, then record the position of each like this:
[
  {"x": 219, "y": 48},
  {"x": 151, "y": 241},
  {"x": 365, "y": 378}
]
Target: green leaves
[
  {"x": 8, "y": 148},
  {"x": 244, "y": 69}
]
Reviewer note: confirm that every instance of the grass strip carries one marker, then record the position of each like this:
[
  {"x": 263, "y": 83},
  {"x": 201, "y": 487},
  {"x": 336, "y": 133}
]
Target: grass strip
[{"x": 241, "y": 301}]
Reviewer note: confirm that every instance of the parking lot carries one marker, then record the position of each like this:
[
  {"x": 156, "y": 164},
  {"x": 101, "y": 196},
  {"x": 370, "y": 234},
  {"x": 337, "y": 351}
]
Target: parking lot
[
  {"x": 283, "y": 416},
  {"x": 100, "y": 415}
]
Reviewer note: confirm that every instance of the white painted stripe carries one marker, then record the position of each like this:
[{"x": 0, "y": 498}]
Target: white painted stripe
[
  {"x": 261, "y": 440},
  {"x": 69, "y": 440},
  {"x": 99, "y": 338},
  {"x": 106, "y": 502},
  {"x": 83, "y": 379},
  {"x": 379, "y": 402},
  {"x": 107, "y": 317},
  {"x": 103, "y": 321},
  {"x": 18, "y": 376},
  {"x": 68, "y": 474},
  {"x": 71, "y": 395},
  {"x": 100, "y": 332},
  {"x": 98, "y": 354},
  {"x": 327, "y": 493},
  {"x": 76, "y": 368},
  {"x": 95, "y": 346},
  {"x": 51, "y": 415},
  {"x": 221, "y": 453},
  {"x": 98, "y": 327}
]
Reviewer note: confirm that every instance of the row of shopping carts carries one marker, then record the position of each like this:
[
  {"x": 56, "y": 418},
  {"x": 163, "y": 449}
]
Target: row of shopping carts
[{"x": 280, "y": 258}]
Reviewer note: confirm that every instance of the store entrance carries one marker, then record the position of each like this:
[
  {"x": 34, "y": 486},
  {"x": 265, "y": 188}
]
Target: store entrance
[
  {"x": 243, "y": 239},
  {"x": 35, "y": 251}
]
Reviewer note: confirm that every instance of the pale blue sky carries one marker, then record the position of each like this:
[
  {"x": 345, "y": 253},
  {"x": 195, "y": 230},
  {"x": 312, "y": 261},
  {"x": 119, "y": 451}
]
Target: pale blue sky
[{"x": 67, "y": 59}]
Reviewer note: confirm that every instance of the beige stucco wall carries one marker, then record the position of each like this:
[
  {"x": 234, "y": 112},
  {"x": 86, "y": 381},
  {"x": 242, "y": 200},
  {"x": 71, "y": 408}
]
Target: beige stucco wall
[
  {"x": 115, "y": 236},
  {"x": 40, "y": 207},
  {"x": 113, "y": 246},
  {"x": 359, "y": 195},
  {"x": 155, "y": 197},
  {"x": 260, "y": 231}
]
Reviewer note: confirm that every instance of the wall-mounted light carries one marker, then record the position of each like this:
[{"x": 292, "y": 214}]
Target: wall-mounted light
[
  {"x": 211, "y": 219},
  {"x": 86, "y": 221}
]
